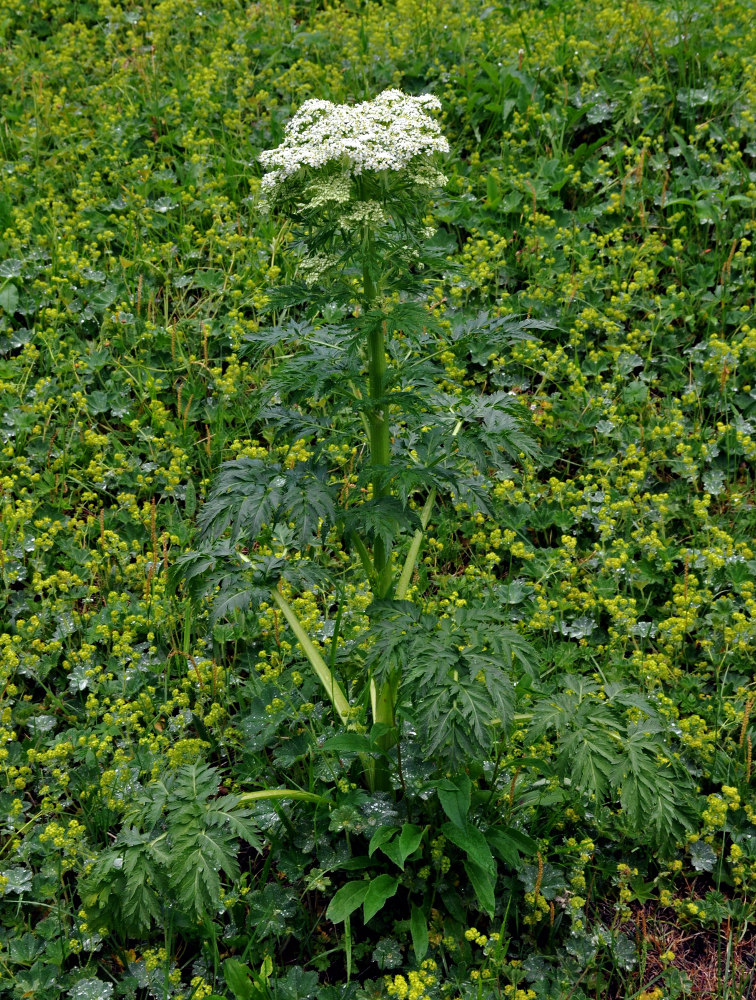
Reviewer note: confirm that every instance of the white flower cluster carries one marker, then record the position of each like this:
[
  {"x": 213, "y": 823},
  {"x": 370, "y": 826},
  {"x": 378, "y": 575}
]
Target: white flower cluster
[
  {"x": 327, "y": 190},
  {"x": 363, "y": 213},
  {"x": 313, "y": 267},
  {"x": 387, "y": 133}
]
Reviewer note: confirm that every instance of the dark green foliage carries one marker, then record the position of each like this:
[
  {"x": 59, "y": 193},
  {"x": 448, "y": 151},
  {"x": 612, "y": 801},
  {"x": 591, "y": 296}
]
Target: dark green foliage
[
  {"x": 607, "y": 757},
  {"x": 591, "y": 280},
  {"x": 249, "y": 493},
  {"x": 179, "y": 837},
  {"x": 456, "y": 673},
  {"x": 441, "y": 441},
  {"x": 381, "y": 519}
]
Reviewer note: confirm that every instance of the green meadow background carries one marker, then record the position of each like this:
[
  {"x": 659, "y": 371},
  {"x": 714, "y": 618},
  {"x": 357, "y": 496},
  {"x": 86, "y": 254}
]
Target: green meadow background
[{"x": 601, "y": 196}]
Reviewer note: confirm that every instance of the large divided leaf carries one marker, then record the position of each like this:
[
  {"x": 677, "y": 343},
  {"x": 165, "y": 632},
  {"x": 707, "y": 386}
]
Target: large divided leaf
[
  {"x": 250, "y": 493},
  {"x": 143, "y": 867},
  {"x": 455, "y": 673},
  {"x": 380, "y": 519},
  {"x": 197, "y": 857},
  {"x": 604, "y": 756},
  {"x": 181, "y": 843}
]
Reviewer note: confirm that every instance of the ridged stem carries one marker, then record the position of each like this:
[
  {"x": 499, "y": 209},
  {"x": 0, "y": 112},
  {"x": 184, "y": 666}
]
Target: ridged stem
[{"x": 382, "y": 699}]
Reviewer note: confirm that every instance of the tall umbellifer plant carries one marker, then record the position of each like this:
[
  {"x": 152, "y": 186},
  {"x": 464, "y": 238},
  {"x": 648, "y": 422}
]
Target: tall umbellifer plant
[{"x": 355, "y": 181}]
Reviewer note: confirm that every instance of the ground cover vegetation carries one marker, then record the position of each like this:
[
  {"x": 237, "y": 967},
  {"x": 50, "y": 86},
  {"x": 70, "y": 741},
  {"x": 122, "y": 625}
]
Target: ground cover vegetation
[{"x": 378, "y": 562}]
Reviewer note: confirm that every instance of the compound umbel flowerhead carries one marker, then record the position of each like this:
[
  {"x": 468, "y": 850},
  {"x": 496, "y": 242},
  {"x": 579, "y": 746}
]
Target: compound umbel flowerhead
[{"x": 393, "y": 132}]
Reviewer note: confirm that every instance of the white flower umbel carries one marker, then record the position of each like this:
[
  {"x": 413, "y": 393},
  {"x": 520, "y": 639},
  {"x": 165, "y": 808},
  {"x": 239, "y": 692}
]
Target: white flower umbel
[
  {"x": 333, "y": 190},
  {"x": 391, "y": 132},
  {"x": 314, "y": 266},
  {"x": 363, "y": 213}
]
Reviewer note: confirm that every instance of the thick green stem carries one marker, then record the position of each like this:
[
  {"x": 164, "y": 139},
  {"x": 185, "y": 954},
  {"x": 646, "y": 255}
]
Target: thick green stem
[
  {"x": 367, "y": 562},
  {"x": 383, "y": 700},
  {"x": 383, "y": 703},
  {"x": 380, "y": 443}
]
